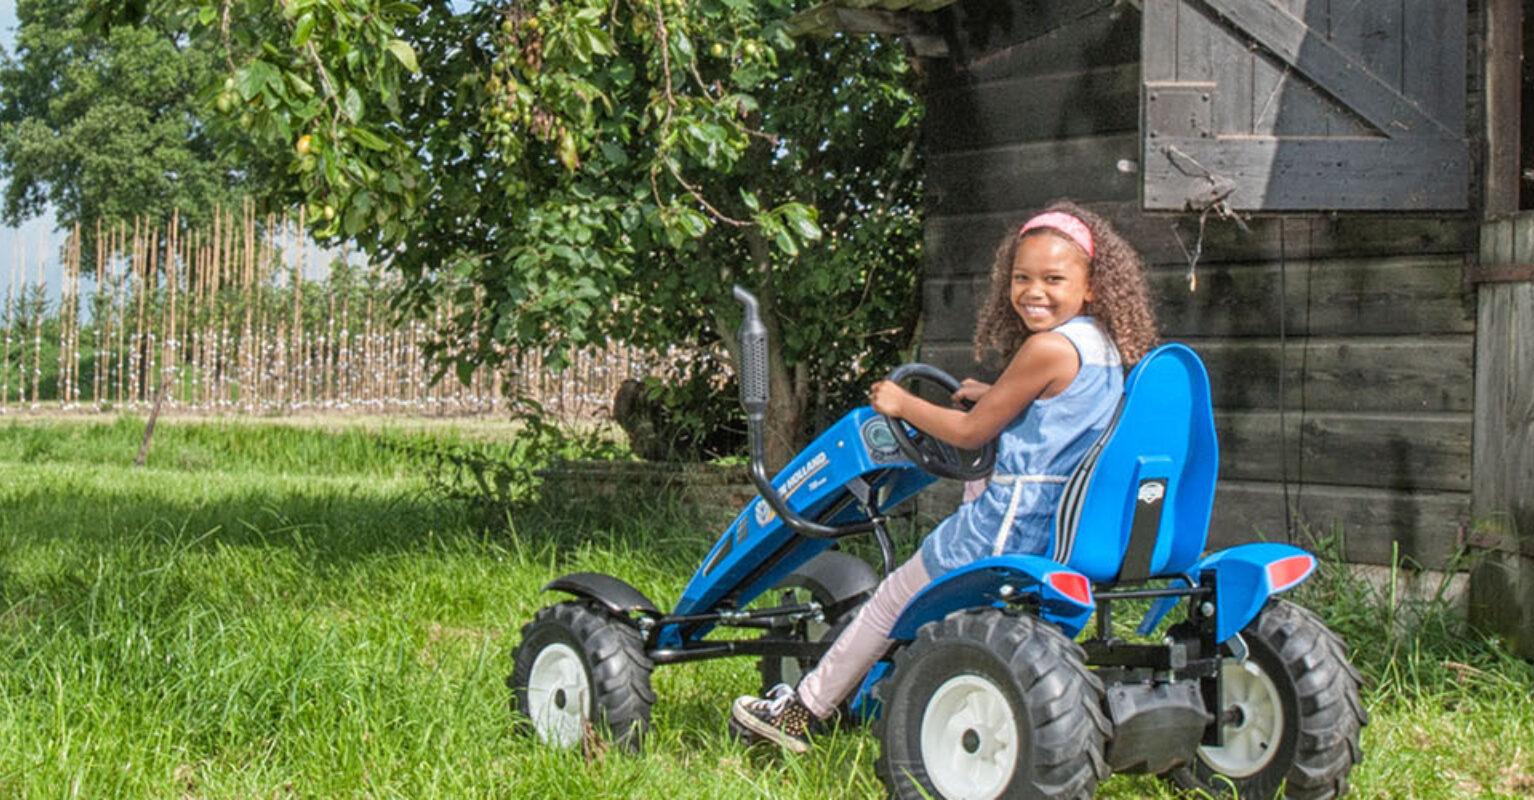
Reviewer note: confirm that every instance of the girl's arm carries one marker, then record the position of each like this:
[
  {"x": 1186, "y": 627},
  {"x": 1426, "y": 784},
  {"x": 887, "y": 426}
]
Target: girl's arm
[
  {"x": 1045, "y": 364},
  {"x": 971, "y": 390}
]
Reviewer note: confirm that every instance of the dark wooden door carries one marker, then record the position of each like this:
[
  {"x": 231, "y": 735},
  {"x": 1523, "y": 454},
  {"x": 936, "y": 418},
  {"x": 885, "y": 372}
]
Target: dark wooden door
[{"x": 1289, "y": 105}]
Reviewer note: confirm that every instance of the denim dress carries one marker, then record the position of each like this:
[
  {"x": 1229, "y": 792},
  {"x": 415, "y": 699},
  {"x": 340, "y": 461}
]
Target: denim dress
[{"x": 1034, "y": 456}]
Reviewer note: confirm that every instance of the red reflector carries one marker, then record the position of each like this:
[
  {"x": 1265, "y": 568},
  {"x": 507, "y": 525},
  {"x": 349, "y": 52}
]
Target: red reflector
[
  {"x": 1286, "y": 572},
  {"x": 1072, "y": 585}
]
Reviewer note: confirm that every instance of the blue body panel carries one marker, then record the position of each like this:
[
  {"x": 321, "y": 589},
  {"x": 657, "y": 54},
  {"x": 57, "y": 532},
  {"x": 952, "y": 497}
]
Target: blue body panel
[
  {"x": 980, "y": 583},
  {"x": 858, "y": 444},
  {"x": 1242, "y": 585},
  {"x": 1164, "y": 431}
]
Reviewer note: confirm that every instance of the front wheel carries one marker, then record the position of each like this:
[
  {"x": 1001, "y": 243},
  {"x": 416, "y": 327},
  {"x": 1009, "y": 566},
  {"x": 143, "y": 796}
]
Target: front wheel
[
  {"x": 989, "y": 703},
  {"x": 579, "y": 671},
  {"x": 1292, "y": 714}
]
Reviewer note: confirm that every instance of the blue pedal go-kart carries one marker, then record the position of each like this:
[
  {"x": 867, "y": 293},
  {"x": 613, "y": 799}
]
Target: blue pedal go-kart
[{"x": 985, "y": 693}]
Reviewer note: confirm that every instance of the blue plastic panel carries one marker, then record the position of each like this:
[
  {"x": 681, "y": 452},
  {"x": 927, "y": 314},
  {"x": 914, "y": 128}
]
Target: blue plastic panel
[
  {"x": 1242, "y": 585},
  {"x": 979, "y": 584},
  {"x": 856, "y": 445},
  {"x": 1165, "y": 431}
]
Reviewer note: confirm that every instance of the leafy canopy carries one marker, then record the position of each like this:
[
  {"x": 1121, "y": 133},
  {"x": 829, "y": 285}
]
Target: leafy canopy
[
  {"x": 108, "y": 126},
  {"x": 574, "y": 170}
]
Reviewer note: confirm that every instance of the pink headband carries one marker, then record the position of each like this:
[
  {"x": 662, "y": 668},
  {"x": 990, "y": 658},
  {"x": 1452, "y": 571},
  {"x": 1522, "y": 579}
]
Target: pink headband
[{"x": 1073, "y": 228}]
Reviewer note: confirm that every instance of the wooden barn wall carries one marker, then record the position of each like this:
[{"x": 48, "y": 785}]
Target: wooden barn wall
[{"x": 1373, "y": 424}]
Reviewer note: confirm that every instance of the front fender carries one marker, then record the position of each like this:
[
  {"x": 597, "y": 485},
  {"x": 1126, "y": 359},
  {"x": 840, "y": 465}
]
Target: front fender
[
  {"x": 1065, "y": 596},
  {"x": 616, "y": 596},
  {"x": 1246, "y": 575}
]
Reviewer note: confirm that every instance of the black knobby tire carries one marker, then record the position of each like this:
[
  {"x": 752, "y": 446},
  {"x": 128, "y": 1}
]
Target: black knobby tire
[
  {"x": 1055, "y": 702},
  {"x": 1322, "y": 714},
  {"x": 611, "y": 653}
]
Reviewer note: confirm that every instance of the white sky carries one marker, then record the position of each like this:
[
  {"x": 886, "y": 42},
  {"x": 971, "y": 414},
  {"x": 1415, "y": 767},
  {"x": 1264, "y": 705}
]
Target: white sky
[{"x": 36, "y": 234}]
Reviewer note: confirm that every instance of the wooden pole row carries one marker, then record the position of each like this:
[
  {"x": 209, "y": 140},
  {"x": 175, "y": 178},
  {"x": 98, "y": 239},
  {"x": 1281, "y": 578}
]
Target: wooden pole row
[{"x": 233, "y": 318}]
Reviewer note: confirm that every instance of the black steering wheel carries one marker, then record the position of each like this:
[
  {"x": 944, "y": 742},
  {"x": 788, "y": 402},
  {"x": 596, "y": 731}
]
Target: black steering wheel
[{"x": 929, "y": 452}]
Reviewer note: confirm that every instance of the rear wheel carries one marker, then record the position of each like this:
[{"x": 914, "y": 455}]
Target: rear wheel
[
  {"x": 831, "y": 579},
  {"x": 1292, "y": 714},
  {"x": 989, "y": 703},
  {"x": 579, "y": 671}
]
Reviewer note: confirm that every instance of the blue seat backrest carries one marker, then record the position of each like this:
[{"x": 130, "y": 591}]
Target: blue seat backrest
[{"x": 1138, "y": 505}]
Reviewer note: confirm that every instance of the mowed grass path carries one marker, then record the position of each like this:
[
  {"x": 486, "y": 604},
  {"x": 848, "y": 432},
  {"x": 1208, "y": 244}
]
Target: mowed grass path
[{"x": 270, "y": 611}]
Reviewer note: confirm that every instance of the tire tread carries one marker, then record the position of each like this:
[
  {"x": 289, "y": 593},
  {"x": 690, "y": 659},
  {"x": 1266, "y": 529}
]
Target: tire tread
[
  {"x": 616, "y": 660},
  {"x": 1069, "y": 733}
]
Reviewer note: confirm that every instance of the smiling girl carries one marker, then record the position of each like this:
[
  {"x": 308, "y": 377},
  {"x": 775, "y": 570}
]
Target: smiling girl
[{"x": 1068, "y": 302}]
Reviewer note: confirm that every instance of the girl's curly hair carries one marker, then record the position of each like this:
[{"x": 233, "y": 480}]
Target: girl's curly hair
[{"x": 1117, "y": 278}]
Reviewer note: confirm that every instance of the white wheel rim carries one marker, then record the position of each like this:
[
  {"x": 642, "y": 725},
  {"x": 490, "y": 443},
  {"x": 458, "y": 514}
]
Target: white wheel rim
[
  {"x": 558, "y": 695},
  {"x": 1252, "y": 739},
  {"x": 969, "y": 739}
]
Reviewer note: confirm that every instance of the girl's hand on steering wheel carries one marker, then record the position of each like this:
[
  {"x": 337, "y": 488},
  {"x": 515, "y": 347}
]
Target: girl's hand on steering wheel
[
  {"x": 971, "y": 390},
  {"x": 888, "y": 398}
]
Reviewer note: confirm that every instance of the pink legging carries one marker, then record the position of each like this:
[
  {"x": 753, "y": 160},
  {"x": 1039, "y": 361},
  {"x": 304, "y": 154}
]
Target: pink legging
[{"x": 863, "y": 642}]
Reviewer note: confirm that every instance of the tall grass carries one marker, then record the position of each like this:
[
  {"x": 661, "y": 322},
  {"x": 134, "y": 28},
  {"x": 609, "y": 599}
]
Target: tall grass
[{"x": 278, "y": 612}]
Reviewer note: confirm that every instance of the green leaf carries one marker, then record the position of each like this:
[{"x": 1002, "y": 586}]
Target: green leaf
[
  {"x": 303, "y": 29},
  {"x": 368, "y": 139},
  {"x": 785, "y": 243},
  {"x": 405, "y": 53},
  {"x": 300, "y": 85},
  {"x": 691, "y": 222},
  {"x": 802, "y": 220},
  {"x": 351, "y": 104},
  {"x": 250, "y": 79}
]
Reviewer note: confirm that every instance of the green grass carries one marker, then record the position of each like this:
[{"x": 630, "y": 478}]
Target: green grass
[{"x": 273, "y": 611}]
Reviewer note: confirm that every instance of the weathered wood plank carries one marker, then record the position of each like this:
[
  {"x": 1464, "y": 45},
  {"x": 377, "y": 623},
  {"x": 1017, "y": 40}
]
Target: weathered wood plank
[
  {"x": 1158, "y": 47},
  {"x": 1523, "y": 239},
  {"x": 1054, "y": 106},
  {"x": 1370, "y": 36},
  {"x": 1002, "y": 41},
  {"x": 1386, "y": 451},
  {"x": 1391, "y": 374},
  {"x": 1372, "y": 525},
  {"x": 1434, "y": 75},
  {"x": 1504, "y": 78},
  {"x": 1277, "y": 174},
  {"x": 1028, "y": 175},
  {"x": 1497, "y": 242},
  {"x": 1402, "y": 295},
  {"x": 1233, "y": 100},
  {"x": 1196, "y": 32},
  {"x": 1342, "y": 73},
  {"x": 1504, "y": 412},
  {"x": 965, "y": 244},
  {"x": 1381, "y": 375},
  {"x": 1284, "y": 103}
]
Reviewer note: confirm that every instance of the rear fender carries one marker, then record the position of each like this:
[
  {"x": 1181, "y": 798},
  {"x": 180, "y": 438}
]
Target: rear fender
[
  {"x": 1245, "y": 576},
  {"x": 1065, "y": 596},
  {"x": 619, "y": 598}
]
